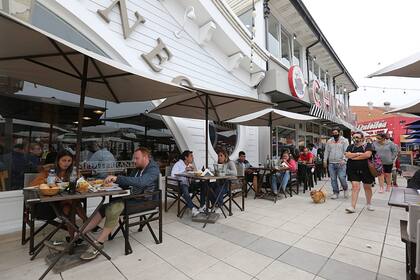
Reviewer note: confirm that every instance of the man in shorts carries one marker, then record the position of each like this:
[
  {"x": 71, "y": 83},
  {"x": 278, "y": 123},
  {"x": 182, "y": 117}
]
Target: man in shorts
[{"x": 144, "y": 178}]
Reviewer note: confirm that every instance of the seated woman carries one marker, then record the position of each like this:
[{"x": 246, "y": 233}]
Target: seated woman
[
  {"x": 63, "y": 168},
  {"x": 218, "y": 187},
  {"x": 282, "y": 176}
]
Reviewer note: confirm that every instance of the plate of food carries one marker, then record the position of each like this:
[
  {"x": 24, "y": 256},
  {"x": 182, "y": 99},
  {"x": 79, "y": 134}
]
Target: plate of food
[{"x": 49, "y": 190}]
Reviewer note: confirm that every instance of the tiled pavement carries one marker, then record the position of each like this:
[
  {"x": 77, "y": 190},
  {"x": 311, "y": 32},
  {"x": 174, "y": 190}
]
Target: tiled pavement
[{"x": 291, "y": 239}]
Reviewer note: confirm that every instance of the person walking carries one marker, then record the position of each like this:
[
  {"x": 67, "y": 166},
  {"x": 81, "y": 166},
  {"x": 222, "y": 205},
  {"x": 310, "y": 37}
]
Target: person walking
[
  {"x": 388, "y": 152},
  {"x": 335, "y": 159},
  {"x": 358, "y": 170}
]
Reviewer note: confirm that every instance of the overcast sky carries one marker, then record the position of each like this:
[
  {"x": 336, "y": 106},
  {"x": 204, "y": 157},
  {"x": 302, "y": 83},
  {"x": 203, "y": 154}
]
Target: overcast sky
[{"x": 365, "y": 33}]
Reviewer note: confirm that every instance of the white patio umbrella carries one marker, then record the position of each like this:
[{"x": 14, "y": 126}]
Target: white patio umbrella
[
  {"x": 271, "y": 117},
  {"x": 31, "y": 54},
  {"x": 411, "y": 108},
  {"x": 208, "y": 105},
  {"x": 408, "y": 67}
]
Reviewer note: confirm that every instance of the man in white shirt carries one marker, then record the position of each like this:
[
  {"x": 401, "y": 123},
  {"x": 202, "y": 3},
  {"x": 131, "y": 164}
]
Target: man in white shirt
[{"x": 184, "y": 164}]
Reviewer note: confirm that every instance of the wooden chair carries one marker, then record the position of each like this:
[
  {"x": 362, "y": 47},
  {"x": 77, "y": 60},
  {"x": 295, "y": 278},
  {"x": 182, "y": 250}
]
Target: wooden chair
[
  {"x": 293, "y": 183},
  {"x": 235, "y": 190},
  {"x": 147, "y": 210},
  {"x": 3, "y": 177}
]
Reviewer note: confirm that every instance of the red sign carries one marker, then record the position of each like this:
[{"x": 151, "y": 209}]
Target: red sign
[
  {"x": 296, "y": 82},
  {"x": 315, "y": 93}
]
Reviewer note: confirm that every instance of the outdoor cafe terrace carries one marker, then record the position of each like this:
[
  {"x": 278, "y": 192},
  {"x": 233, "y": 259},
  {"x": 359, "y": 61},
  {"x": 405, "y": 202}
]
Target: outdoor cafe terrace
[{"x": 291, "y": 239}]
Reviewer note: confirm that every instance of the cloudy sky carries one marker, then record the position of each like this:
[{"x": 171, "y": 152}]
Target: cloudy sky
[{"x": 369, "y": 35}]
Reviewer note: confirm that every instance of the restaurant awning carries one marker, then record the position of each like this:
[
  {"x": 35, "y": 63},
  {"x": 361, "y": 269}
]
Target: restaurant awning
[
  {"x": 46, "y": 110},
  {"x": 148, "y": 120},
  {"x": 407, "y": 67}
]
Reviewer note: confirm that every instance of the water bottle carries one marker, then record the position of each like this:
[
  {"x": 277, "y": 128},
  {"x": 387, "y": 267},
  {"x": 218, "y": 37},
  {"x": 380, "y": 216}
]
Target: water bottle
[
  {"x": 51, "y": 177},
  {"x": 73, "y": 181}
]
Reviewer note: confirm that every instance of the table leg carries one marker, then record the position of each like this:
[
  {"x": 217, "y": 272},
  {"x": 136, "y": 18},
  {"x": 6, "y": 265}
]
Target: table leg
[{"x": 78, "y": 234}]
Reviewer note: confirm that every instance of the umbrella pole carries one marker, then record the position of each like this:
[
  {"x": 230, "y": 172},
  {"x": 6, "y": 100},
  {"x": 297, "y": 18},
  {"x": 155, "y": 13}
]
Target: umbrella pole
[
  {"x": 81, "y": 110},
  {"x": 270, "y": 121},
  {"x": 50, "y": 135},
  {"x": 145, "y": 136},
  {"x": 207, "y": 131},
  {"x": 30, "y": 136}
]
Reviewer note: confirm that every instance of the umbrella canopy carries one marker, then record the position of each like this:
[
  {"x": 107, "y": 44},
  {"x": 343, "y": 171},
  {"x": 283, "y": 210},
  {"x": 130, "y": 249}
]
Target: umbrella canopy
[
  {"x": 143, "y": 119},
  {"x": 46, "y": 110},
  {"x": 221, "y": 106},
  {"x": 408, "y": 67},
  {"x": 34, "y": 126},
  {"x": 31, "y": 54},
  {"x": 209, "y": 105},
  {"x": 271, "y": 117},
  {"x": 411, "y": 108},
  {"x": 278, "y": 118}
]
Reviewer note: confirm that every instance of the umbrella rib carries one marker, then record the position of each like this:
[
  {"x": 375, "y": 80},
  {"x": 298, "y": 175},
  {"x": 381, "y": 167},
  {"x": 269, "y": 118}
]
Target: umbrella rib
[
  {"x": 105, "y": 80},
  {"x": 35, "y": 56},
  {"x": 52, "y": 68},
  {"x": 177, "y": 103},
  {"x": 110, "y": 76},
  {"x": 215, "y": 111},
  {"x": 65, "y": 56}
]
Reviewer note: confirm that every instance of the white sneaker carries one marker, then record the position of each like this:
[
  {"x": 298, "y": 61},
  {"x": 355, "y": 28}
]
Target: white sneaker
[
  {"x": 202, "y": 209},
  {"x": 346, "y": 194},
  {"x": 195, "y": 211},
  {"x": 350, "y": 210},
  {"x": 369, "y": 207},
  {"x": 334, "y": 196}
]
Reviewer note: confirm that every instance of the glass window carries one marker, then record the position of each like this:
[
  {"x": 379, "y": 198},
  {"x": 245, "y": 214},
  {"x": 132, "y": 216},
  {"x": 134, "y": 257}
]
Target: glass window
[
  {"x": 285, "y": 48},
  {"x": 273, "y": 36},
  {"x": 323, "y": 77},
  {"x": 309, "y": 127},
  {"x": 311, "y": 68},
  {"x": 316, "y": 71},
  {"x": 301, "y": 142},
  {"x": 296, "y": 53},
  {"x": 246, "y": 19},
  {"x": 316, "y": 128},
  {"x": 223, "y": 135},
  {"x": 309, "y": 140}
]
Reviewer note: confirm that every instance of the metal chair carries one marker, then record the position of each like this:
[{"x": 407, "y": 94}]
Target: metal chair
[
  {"x": 147, "y": 209},
  {"x": 235, "y": 189}
]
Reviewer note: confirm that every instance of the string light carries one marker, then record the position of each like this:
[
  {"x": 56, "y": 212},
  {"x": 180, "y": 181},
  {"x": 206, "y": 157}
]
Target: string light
[{"x": 384, "y": 89}]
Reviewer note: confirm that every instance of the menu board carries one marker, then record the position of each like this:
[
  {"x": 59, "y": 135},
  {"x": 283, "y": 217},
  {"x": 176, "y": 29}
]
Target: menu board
[{"x": 406, "y": 158}]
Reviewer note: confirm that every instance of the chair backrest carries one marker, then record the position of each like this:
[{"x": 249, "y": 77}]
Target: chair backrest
[
  {"x": 172, "y": 181},
  {"x": 240, "y": 169},
  {"x": 28, "y": 178}
]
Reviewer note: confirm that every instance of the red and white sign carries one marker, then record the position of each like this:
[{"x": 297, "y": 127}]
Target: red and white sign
[
  {"x": 315, "y": 93},
  {"x": 296, "y": 82}
]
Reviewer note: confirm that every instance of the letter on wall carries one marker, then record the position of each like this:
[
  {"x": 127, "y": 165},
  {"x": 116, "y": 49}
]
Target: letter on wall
[
  {"x": 183, "y": 81},
  {"x": 157, "y": 52},
  {"x": 122, "y": 5}
]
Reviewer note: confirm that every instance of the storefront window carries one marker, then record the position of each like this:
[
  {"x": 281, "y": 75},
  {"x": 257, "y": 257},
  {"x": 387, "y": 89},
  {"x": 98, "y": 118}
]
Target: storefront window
[
  {"x": 316, "y": 128},
  {"x": 285, "y": 48},
  {"x": 223, "y": 136},
  {"x": 246, "y": 19},
  {"x": 273, "y": 36},
  {"x": 301, "y": 141},
  {"x": 309, "y": 140},
  {"x": 316, "y": 71},
  {"x": 309, "y": 127}
]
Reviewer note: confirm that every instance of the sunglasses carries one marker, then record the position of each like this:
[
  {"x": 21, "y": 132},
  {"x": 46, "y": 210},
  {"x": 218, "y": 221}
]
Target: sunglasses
[{"x": 357, "y": 137}]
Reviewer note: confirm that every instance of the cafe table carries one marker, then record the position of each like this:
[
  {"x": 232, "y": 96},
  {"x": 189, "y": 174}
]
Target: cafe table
[
  {"x": 206, "y": 180},
  {"x": 402, "y": 197},
  {"x": 32, "y": 197}
]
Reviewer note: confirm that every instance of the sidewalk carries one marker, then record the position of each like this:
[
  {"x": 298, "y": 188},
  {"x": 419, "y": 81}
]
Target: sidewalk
[{"x": 292, "y": 239}]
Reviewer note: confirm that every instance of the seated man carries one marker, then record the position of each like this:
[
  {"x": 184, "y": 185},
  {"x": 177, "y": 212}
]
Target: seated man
[
  {"x": 184, "y": 164},
  {"x": 306, "y": 157},
  {"x": 241, "y": 161},
  {"x": 144, "y": 178}
]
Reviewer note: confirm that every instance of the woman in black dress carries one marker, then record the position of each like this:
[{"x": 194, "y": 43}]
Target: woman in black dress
[{"x": 358, "y": 154}]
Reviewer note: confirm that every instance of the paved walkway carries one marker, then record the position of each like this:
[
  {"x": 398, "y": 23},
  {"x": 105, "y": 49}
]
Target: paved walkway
[{"x": 292, "y": 239}]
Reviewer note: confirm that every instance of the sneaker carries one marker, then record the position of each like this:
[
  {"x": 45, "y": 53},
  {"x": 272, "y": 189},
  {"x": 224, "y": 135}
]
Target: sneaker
[
  {"x": 202, "y": 209},
  {"x": 195, "y": 211},
  {"x": 381, "y": 190},
  {"x": 334, "y": 196},
  {"x": 56, "y": 245},
  {"x": 91, "y": 252},
  {"x": 350, "y": 210},
  {"x": 346, "y": 194},
  {"x": 369, "y": 207}
]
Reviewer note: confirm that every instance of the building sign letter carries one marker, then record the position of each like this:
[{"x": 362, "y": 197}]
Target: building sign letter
[
  {"x": 122, "y": 5},
  {"x": 156, "y": 52},
  {"x": 296, "y": 82},
  {"x": 182, "y": 81}
]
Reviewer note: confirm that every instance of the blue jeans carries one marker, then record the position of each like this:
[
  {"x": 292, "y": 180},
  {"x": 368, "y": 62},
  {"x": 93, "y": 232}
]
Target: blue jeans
[
  {"x": 186, "y": 195},
  {"x": 219, "y": 189},
  {"x": 282, "y": 178},
  {"x": 337, "y": 170}
]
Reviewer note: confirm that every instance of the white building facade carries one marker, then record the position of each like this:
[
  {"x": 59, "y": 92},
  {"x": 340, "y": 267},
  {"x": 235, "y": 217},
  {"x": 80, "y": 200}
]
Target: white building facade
[{"x": 235, "y": 46}]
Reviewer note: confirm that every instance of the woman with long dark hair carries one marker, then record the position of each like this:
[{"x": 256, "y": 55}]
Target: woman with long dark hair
[{"x": 63, "y": 167}]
